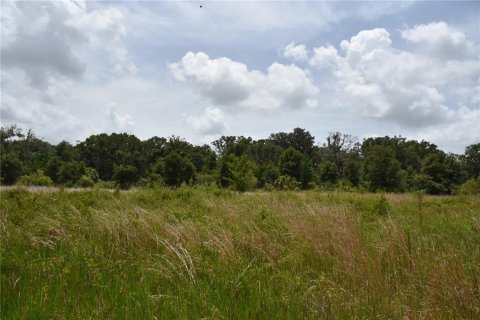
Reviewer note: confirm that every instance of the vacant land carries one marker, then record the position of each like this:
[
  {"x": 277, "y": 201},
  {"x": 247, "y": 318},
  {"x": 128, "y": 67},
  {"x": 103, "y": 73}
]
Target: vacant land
[{"x": 191, "y": 254}]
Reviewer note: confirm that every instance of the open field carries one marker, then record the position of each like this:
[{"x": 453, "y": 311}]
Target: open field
[{"x": 214, "y": 254}]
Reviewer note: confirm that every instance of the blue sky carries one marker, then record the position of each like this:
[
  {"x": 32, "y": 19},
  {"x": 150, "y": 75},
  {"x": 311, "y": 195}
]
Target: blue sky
[{"x": 71, "y": 69}]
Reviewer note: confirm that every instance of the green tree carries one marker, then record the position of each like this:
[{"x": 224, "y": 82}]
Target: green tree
[
  {"x": 70, "y": 172},
  {"x": 224, "y": 171},
  {"x": 10, "y": 168},
  {"x": 227, "y": 145},
  {"x": 105, "y": 152},
  {"x": 306, "y": 172},
  {"x": 267, "y": 173},
  {"x": 443, "y": 172},
  {"x": 381, "y": 169},
  {"x": 351, "y": 170},
  {"x": 328, "y": 172},
  {"x": 300, "y": 140},
  {"x": 177, "y": 170},
  {"x": 338, "y": 146},
  {"x": 472, "y": 160},
  {"x": 125, "y": 175},
  {"x": 291, "y": 163},
  {"x": 242, "y": 173},
  {"x": 66, "y": 152},
  {"x": 265, "y": 152}
]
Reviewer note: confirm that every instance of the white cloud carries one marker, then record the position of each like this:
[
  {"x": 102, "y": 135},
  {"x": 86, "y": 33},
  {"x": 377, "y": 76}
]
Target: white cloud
[
  {"x": 441, "y": 41},
  {"x": 366, "y": 41},
  {"x": 33, "y": 109},
  {"x": 296, "y": 53},
  {"x": 209, "y": 123},
  {"x": 231, "y": 85},
  {"x": 48, "y": 49},
  {"x": 119, "y": 122},
  {"x": 377, "y": 80},
  {"x": 48, "y": 39},
  {"x": 463, "y": 129},
  {"x": 325, "y": 57}
]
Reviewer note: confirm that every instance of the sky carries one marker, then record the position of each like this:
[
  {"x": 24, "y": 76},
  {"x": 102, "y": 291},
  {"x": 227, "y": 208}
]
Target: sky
[{"x": 200, "y": 70}]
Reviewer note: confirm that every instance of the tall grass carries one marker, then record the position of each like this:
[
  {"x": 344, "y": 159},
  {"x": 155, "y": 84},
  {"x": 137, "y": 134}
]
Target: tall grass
[{"x": 213, "y": 254}]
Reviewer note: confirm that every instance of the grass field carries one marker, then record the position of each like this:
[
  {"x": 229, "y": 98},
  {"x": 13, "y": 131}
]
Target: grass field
[{"x": 214, "y": 254}]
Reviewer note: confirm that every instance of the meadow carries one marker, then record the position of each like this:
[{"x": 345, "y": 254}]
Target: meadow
[{"x": 199, "y": 253}]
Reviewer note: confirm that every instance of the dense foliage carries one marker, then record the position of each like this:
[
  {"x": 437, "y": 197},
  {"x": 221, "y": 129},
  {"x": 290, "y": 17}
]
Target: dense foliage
[{"x": 282, "y": 161}]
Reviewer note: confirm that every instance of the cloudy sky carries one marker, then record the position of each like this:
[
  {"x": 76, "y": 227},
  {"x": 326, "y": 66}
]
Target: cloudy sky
[{"x": 72, "y": 69}]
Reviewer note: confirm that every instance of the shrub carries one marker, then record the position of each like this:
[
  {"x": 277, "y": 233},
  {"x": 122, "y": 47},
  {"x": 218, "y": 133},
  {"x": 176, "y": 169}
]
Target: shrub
[
  {"x": 101, "y": 184},
  {"x": 206, "y": 178},
  {"x": 153, "y": 180},
  {"x": 382, "y": 206},
  {"x": 37, "y": 178},
  {"x": 85, "y": 182},
  {"x": 344, "y": 185},
  {"x": 268, "y": 187},
  {"x": 286, "y": 183},
  {"x": 426, "y": 182},
  {"x": 471, "y": 186},
  {"x": 91, "y": 173}
]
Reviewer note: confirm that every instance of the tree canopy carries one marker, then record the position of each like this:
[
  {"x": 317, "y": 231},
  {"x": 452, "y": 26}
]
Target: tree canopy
[{"x": 284, "y": 160}]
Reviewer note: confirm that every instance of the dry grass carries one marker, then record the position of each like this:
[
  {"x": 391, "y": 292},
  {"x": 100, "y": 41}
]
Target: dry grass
[{"x": 211, "y": 254}]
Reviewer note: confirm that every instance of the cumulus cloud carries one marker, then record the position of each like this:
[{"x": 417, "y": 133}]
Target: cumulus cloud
[
  {"x": 296, "y": 53},
  {"x": 46, "y": 39},
  {"x": 325, "y": 57},
  {"x": 229, "y": 84},
  {"x": 375, "y": 79},
  {"x": 35, "y": 41},
  {"x": 440, "y": 40},
  {"x": 33, "y": 108},
  {"x": 463, "y": 129},
  {"x": 118, "y": 121},
  {"x": 47, "y": 50},
  {"x": 209, "y": 123}
]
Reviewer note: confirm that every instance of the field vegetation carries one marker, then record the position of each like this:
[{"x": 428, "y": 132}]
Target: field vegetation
[
  {"x": 212, "y": 253},
  {"x": 283, "y": 161}
]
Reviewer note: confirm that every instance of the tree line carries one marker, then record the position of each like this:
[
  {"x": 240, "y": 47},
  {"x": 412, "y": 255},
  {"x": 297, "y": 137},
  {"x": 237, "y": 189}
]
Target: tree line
[{"x": 284, "y": 161}]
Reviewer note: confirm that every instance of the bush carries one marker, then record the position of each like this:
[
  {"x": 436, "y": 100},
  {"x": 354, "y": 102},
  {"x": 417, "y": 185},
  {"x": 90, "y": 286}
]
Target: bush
[
  {"x": 268, "y": 187},
  {"x": 286, "y": 183},
  {"x": 471, "y": 186},
  {"x": 206, "y": 178},
  {"x": 426, "y": 182},
  {"x": 101, "y": 184},
  {"x": 85, "y": 182},
  {"x": 382, "y": 207},
  {"x": 153, "y": 180},
  {"x": 344, "y": 185},
  {"x": 91, "y": 173},
  {"x": 35, "y": 179}
]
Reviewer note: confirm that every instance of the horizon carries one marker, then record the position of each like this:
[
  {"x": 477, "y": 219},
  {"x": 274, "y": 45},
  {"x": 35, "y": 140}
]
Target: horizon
[{"x": 317, "y": 142}]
